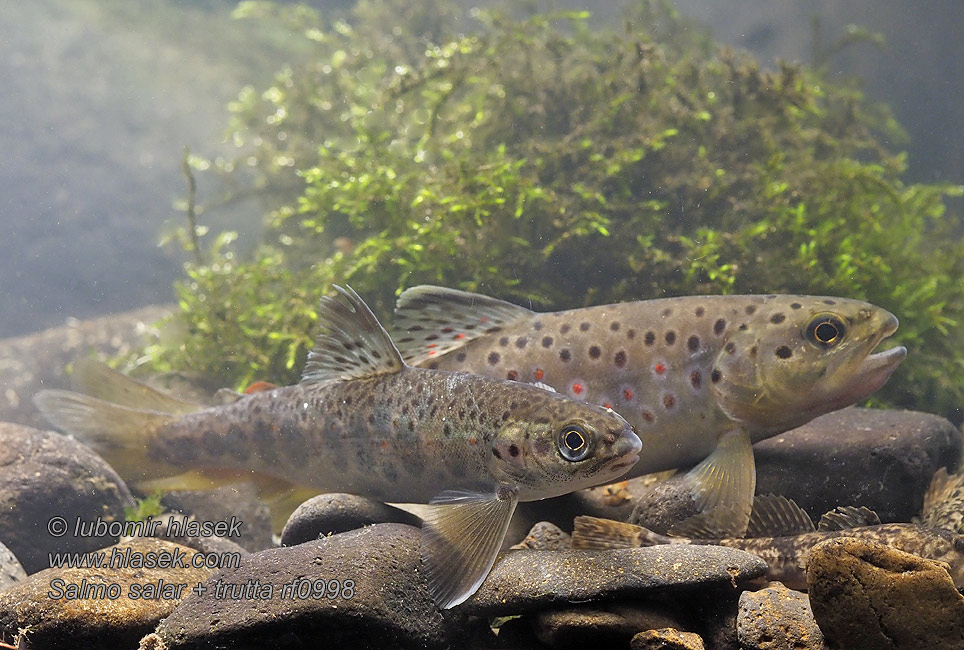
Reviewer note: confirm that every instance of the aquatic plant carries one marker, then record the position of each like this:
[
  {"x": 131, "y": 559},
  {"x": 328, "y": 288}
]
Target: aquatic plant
[{"x": 541, "y": 159}]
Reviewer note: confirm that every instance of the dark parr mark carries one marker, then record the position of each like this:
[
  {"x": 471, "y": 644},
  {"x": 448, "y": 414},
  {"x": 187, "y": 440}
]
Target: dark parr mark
[
  {"x": 693, "y": 343},
  {"x": 696, "y": 379},
  {"x": 784, "y": 352},
  {"x": 493, "y": 358},
  {"x": 719, "y": 326},
  {"x": 594, "y": 352},
  {"x": 620, "y": 359},
  {"x": 778, "y": 318}
]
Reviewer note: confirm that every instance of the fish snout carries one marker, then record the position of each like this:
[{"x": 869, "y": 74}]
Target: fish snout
[{"x": 625, "y": 451}]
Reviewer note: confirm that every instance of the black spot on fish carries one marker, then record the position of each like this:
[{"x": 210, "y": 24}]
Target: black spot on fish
[
  {"x": 730, "y": 347},
  {"x": 446, "y": 430},
  {"x": 699, "y": 312},
  {"x": 715, "y": 375},
  {"x": 537, "y": 325},
  {"x": 614, "y": 326},
  {"x": 670, "y": 337},
  {"x": 750, "y": 310},
  {"x": 257, "y": 409},
  {"x": 693, "y": 343},
  {"x": 513, "y": 450},
  {"x": 719, "y": 326},
  {"x": 777, "y": 318},
  {"x": 620, "y": 359},
  {"x": 753, "y": 351},
  {"x": 648, "y": 416},
  {"x": 433, "y": 365},
  {"x": 547, "y": 341},
  {"x": 214, "y": 442},
  {"x": 594, "y": 352},
  {"x": 460, "y": 357},
  {"x": 521, "y": 342},
  {"x": 829, "y": 302},
  {"x": 696, "y": 379},
  {"x": 583, "y": 327},
  {"x": 492, "y": 330},
  {"x": 495, "y": 452},
  {"x": 504, "y": 341},
  {"x": 565, "y": 328},
  {"x": 669, "y": 401},
  {"x": 411, "y": 425},
  {"x": 631, "y": 334},
  {"x": 505, "y": 415},
  {"x": 493, "y": 358},
  {"x": 784, "y": 352},
  {"x": 430, "y": 337},
  {"x": 650, "y": 338},
  {"x": 795, "y": 305},
  {"x": 407, "y": 339},
  {"x": 512, "y": 375},
  {"x": 667, "y": 312},
  {"x": 564, "y": 354},
  {"x": 742, "y": 327},
  {"x": 415, "y": 328}
]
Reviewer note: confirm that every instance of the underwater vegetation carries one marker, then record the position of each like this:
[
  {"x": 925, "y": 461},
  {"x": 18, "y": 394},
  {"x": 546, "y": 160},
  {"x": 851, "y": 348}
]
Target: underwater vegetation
[{"x": 546, "y": 158}]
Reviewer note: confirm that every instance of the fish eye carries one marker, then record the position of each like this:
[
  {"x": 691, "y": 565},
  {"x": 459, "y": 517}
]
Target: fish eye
[
  {"x": 826, "y": 331},
  {"x": 574, "y": 442}
]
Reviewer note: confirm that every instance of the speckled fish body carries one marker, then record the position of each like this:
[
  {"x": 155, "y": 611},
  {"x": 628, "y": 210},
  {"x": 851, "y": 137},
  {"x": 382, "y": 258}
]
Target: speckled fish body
[
  {"x": 396, "y": 437},
  {"x": 682, "y": 370},
  {"x": 362, "y": 421},
  {"x": 944, "y": 502}
]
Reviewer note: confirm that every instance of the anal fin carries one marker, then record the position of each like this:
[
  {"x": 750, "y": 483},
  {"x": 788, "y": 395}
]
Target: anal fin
[
  {"x": 722, "y": 488},
  {"x": 595, "y": 533},
  {"x": 461, "y": 536}
]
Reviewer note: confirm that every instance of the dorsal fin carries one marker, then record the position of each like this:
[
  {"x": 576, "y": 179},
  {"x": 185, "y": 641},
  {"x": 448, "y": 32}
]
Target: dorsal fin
[
  {"x": 777, "y": 516},
  {"x": 430, "y": 321},
  {"x": 351, "y": 344},
  {"x": 941, "y": 484},
  {"x": 844, "y": 517}
]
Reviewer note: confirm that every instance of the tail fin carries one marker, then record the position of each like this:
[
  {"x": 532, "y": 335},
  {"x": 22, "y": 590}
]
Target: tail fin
[
  {"x": 101, "y": 381},
  {"x": 595, "y": 533},
  {"x": 120, "y": 434}
]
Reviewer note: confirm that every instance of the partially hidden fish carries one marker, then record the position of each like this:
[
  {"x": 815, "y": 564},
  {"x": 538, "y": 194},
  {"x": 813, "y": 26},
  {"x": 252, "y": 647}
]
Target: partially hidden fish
[
  {"x": 944, "y": 502},
  {"x": 701, "y": 378},
  {"x": 362, "y": 421},
  {"x": 786, "y": 554}
]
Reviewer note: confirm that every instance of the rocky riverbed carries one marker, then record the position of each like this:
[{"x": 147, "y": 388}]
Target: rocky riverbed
[{"x": 346, "y": 570}]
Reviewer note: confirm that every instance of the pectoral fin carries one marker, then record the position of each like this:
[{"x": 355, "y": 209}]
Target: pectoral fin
[
  {"x": 722, "y": 487},
  {"x": 461, "y": 535}
]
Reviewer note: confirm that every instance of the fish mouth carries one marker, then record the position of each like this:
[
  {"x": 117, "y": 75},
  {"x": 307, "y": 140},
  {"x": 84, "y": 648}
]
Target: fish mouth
[{"x": 876, "y": 369}]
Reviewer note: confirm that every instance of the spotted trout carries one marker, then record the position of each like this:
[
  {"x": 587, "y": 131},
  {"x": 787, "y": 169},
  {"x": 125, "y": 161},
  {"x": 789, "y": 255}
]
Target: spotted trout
[
  {"x": 364, "y": 422},
  {"x": 700, "y": 378},
  {"x": 782, "y": 534}
]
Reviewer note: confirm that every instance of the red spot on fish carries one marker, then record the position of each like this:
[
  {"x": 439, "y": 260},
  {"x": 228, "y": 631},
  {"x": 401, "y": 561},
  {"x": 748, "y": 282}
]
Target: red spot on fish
[
  {"x": 384, "y": 445},
  {"x": 659, "y": 368},
  {"x": 607, "y": 405},
  {"x": 431, "y": 352},
  {"x": 485, "y": 319},
  {"x": 473, "y": 441},
  {"x": 460, "y": 335},
  {"x": 259, "y": 386},
  {"x": 539, "y": 373},
  {"x": 432, "y": 345},
  {"x": 627, "y": 393},
  {"x": 577, "y": 388}
]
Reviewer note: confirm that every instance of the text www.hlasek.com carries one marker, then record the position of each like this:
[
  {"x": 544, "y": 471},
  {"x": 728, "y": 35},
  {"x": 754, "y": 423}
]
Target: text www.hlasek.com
[{"x": 127, "y": 558}]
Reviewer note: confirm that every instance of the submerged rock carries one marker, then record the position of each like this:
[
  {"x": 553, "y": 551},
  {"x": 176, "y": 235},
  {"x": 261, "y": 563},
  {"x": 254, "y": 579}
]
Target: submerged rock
[
  {"x": 237, "y": 500},
  {"x": 777, "y": 618},
  {"x": 47, "y": 483},
  {"x": 11, "y": 571},
  {"x": 611, "y": 624},
  {"x": 545, "y": 536},
  {"x": 360, "y": 589},
  {"x": 869, "y": 596},
  {"x": 666, "y": 639},
  {"x": 333, "y": 513},
  {"x": 71, "y": 608},
  {"x": 529, "y": 581},
  {"x": 840, "y": 459}
]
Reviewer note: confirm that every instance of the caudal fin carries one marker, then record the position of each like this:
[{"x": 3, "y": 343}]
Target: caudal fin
[{"x": 120, "y": 434}]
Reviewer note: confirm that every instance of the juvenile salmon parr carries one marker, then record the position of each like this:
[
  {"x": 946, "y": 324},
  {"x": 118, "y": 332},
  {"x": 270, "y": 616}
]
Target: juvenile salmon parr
[
  {"x": 361, "y": 421},
  {"x": 699, "y": 377}
]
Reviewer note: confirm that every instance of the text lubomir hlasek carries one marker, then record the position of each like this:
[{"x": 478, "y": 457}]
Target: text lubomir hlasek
[{"x": 175, "y": 527}]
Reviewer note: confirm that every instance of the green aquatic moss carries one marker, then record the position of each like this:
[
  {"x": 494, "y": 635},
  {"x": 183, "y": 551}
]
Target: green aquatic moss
[{"x": 543, "y": 159}]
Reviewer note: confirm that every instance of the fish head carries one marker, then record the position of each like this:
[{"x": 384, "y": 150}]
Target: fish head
[
  {"x": 549, "y": 445},
  {"x": 797, "y": 357}
]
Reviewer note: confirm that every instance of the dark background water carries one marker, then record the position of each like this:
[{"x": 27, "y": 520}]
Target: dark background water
[{"x": 100, "y": 97}]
